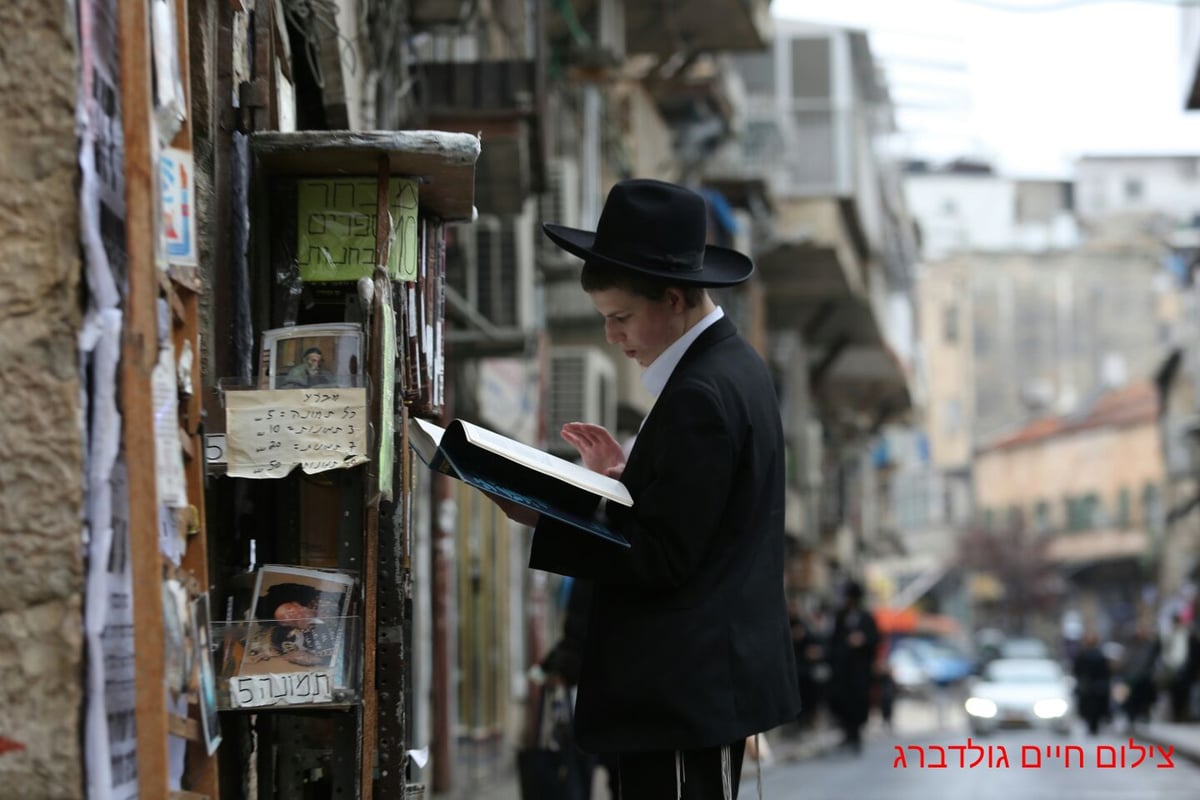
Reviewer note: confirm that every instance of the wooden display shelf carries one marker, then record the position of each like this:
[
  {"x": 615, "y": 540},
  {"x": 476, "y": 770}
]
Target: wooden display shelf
[{"x": 443, "y": 163}]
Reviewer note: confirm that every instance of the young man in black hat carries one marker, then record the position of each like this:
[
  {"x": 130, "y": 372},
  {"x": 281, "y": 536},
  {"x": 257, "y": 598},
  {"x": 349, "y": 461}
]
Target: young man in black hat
[{"x": 688, "y": 650}]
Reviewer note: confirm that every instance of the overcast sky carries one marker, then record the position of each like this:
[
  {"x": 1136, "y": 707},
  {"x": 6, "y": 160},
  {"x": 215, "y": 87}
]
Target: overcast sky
[{"x": 1032, "y": 91}]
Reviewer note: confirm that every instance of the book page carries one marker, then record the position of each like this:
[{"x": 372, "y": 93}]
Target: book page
[
  {"x": 425, "y": 437},
  {"x": 547, "y": 464}
]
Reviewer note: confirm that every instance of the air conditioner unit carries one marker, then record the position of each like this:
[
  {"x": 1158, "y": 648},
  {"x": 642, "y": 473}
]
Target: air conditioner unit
[
  {"x": 559, "y": 204},
  {"x": 495, "y": 277},
  {"x": 582, "y": 388}
]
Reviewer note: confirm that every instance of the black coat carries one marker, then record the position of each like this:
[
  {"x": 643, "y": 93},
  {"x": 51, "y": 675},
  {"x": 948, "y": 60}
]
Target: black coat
[
  {"x": 688, "y": 644},
  {"x": 853, "y": 665}
]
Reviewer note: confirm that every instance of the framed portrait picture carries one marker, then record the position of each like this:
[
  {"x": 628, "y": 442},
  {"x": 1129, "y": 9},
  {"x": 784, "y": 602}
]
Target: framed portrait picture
[
  {"x": 312, "y": 356},
  {"x": 298, "y": 622}
]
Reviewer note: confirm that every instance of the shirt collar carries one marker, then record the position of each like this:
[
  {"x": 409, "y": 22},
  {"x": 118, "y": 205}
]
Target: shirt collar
[{"x": 655, "y": 377}]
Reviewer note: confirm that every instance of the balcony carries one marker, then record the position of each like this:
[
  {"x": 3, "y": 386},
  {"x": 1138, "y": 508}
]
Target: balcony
[
  {"x": 502, "y": 101},
  {"x": 817, "y": 285},
  {"x": 663, "y": 29},
  {"x": 434, "y": 14},
  {"x": 703, "y": 104}
]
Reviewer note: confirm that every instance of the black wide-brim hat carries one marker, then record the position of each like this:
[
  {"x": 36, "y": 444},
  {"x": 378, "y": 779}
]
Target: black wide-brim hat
[{"x": 659, "y": 229}]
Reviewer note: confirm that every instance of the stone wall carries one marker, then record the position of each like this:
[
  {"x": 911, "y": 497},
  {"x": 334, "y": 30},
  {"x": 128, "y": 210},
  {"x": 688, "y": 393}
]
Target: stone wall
[{"x": 41, "y": 464}]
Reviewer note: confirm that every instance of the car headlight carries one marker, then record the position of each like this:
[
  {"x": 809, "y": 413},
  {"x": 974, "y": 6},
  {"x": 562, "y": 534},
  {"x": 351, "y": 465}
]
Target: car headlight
[
  {"x": 980, "y": 707},
  {"x": 1051, "y": 708}
]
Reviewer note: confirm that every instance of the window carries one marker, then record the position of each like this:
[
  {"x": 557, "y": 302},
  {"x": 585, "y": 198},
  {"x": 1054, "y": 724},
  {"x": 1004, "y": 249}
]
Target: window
[
  {"x": 1133, "y": 189},
  {"x": 950, "y": 324},
  {"x": 810, "y": 68},
  {"x": 1124, "y": 510},
  {"x": 952, "y": 420},
  {"x": 1094, "y": 514},
  {"x": 758, "y": 71},
  {"x": 1041, "y": 517},
  {"x": 1151, "y": 512},
  {"x": 1077, "y": 513}
]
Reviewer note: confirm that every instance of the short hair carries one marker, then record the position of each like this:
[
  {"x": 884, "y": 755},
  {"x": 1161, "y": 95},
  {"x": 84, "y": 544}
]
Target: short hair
[
  {"x": 597, "y": 277},
  {"x": 281, "y": 593},
  {"x": 312, "y": 350}
]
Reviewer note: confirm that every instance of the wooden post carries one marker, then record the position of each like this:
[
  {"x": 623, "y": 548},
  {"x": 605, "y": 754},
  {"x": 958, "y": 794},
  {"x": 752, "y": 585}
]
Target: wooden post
[
  {"x": 139, "y": 351},
  {"x": 382, "y": 294}
]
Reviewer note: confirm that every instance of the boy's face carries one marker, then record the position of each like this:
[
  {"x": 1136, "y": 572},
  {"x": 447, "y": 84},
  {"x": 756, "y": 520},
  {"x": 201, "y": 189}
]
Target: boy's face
[{"x": 641, "y": 328}]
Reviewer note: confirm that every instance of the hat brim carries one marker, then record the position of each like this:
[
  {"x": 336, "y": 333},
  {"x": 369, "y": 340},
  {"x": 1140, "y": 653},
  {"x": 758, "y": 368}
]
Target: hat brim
[{"x": 719, "y": 267}]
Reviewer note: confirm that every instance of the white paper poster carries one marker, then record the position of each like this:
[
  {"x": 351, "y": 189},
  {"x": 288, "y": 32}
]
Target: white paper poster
[
  {"x": 168, "y": 452},
  {"x": 271, "y": 432}
]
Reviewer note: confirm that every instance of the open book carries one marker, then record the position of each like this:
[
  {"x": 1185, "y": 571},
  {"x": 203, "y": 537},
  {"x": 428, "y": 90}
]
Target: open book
[{"x": 535, "y": 479}]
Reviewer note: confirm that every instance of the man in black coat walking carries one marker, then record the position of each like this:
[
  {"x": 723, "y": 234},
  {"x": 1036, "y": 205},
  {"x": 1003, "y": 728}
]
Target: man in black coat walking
[
  {"x": 853, "y": 647},
  {"x": 688, "y": 650}
]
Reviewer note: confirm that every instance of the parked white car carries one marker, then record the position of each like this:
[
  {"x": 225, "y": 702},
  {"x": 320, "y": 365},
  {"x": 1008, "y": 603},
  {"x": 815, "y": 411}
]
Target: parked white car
[{"x": 1021, "y": 692}]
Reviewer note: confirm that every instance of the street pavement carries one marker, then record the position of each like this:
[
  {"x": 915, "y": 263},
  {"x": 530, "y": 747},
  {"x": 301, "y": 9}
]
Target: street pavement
[
  {"x": 812, "y": 767},
  {"x": 1156, "y": 761}
]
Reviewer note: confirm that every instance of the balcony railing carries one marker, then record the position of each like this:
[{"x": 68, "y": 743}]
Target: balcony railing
[{"x": 502, "y": 101}]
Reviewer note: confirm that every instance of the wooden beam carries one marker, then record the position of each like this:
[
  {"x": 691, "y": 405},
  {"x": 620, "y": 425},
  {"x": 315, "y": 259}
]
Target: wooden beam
[
  {"x": 139, "y": 350},
  {"x": 383, "y": 294},
  {"x": 184, "y": 728}
]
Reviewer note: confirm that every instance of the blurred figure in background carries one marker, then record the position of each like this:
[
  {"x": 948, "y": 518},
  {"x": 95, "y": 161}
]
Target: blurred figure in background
[
  {"x": 1181, "y": 657},
  {"x": 1093, "y": 682},
  {"x": 1137, "y": 673},
  {"x": 808, "y": 644},
  {"x": 852, "y": 661},
  {"x": 886, "y": 687},
  {"x": 562, "y": 664}
]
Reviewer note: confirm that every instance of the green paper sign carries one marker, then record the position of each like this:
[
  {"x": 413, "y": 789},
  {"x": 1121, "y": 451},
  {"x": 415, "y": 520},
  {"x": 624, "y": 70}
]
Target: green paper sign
[{"x": 336, "y": 229}]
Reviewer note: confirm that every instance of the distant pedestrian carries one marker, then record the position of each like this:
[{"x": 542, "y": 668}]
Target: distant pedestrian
[
  {"x": 852, "y": 661},
  {"x": 807, "y": 646},
  {"x": 1138, "y": 666},
  {"x": 1093, "y": 682},
  {"x": 1181, "y": 657}
]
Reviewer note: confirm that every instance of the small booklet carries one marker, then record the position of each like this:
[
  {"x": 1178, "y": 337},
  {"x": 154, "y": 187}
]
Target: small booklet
[{"x": 533, "y": 478}]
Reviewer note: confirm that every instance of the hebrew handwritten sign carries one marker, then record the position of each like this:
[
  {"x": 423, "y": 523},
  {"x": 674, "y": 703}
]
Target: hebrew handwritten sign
[
  {"x": 336, "y": 222},
  {"x": 271, "y": 432},
  {"x": 285, "y": 689}
]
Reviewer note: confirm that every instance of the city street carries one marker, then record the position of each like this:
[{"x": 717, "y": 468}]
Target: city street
[
  {"x": 873, "y": 776},
  {"x": 811, "y": 768}
]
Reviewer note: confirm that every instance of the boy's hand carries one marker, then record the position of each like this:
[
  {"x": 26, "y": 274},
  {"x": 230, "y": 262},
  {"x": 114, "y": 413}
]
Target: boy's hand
[
  {"x": 515, "y": 511},
  {"x": 599, "y": 450}
]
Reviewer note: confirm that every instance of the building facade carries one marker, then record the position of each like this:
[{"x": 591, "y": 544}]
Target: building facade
[{"x": 1092, "y": 521}]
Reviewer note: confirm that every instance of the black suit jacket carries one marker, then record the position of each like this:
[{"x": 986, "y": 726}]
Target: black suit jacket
[{"x": 688, "y": 644}]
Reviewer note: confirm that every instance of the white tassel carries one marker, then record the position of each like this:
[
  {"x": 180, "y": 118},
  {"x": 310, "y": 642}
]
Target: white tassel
[
  {"x": 758, "y": 761},
  {"x": 726, "y": 772},
  {"x": 679, "y": 775}
]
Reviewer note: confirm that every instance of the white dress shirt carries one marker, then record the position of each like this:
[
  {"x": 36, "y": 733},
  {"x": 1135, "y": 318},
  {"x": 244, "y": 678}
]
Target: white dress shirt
[{"x": 659, "y": 372}]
